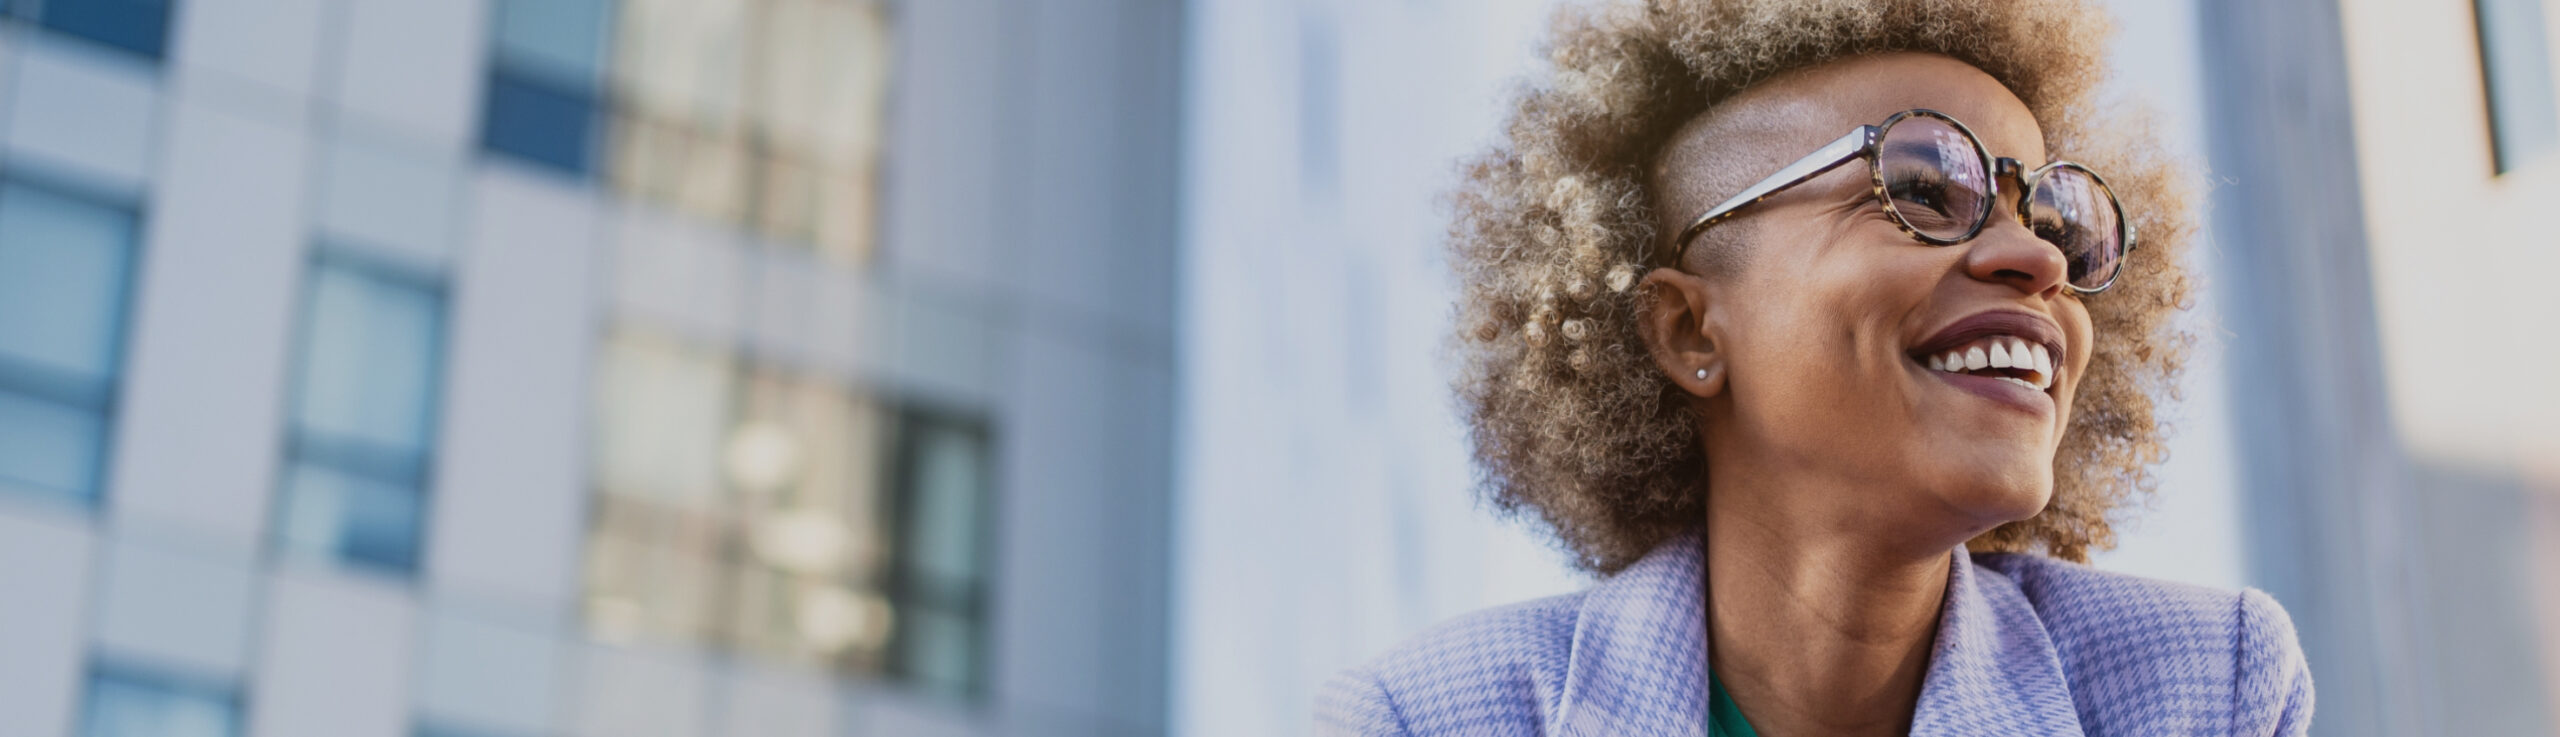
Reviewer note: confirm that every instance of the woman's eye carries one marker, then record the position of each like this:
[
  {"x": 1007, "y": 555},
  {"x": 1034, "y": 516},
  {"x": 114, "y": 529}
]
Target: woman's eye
[
  {"x": 2055, "y": 231},
  {"x": 1926, "y": 194}
]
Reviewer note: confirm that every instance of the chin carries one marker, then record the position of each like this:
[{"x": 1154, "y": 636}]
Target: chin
[{"x": 1996, "y": 497}]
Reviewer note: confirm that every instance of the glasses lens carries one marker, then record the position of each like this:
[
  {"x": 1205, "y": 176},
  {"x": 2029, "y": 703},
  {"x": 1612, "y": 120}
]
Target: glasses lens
[
  {"x": 2071, "y": 209},
  {"x": 1935, "y": 175}
]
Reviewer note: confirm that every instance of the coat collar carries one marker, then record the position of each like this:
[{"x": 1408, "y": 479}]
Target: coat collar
[
  {"x": 1994, "y": 668},
  {"x": 1639, "y": 656}
]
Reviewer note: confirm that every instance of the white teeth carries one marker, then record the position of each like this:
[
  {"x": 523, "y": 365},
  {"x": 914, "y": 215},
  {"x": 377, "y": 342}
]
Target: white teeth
[
  {"x": 2019, "y": 381},
  {"x": 2002, "y": 352}
]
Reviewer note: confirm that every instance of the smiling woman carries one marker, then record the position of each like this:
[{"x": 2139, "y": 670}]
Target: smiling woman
[{"x": 1832, "y": 334}]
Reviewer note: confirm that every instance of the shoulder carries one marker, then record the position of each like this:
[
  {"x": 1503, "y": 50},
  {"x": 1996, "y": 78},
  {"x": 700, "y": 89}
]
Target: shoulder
[
  {"x": 2142, "y": 651},
  {"x": 1496, "y": 671}
]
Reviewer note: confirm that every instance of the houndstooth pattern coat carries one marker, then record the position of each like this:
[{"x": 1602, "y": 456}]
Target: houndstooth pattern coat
[{"x": 2026, "y": 645}]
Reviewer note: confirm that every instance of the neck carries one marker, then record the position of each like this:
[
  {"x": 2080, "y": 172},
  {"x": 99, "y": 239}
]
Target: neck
[{"x": 1816, "y": 626}]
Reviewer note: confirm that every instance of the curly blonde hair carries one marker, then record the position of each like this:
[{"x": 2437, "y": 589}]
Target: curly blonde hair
[{"x": 1568, "y": 414}]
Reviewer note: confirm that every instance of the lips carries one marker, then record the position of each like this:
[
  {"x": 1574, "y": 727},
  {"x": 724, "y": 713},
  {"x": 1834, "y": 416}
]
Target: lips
[{"x": 2009, "y": 346}]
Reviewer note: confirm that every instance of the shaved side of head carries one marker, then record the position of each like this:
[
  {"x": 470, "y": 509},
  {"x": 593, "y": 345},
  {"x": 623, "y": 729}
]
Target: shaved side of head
[{"x": 1720, "y": 151}]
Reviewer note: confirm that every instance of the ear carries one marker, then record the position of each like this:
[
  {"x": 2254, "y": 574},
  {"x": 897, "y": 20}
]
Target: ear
[{"x": 1680, "y": 332}]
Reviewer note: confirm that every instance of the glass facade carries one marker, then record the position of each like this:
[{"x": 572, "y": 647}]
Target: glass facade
[
  {"x": 941, "y": 574},
  {"x": 2515, "y": 60},
  {"x": 139, "y": 26},
  {"x": 546, "y": 69},
  {"x": 766, "y": 113},
  {"x": 66, "y": 264},
  {"x": 749, "y": 507},
  {"x": 763, "y": 113},
  {"x": 501, "y": 368},
  {"x": 364, "y": 413},
  {"x": 126, "y": 704},
  {"x": 542, "y": 121},
  {"x": 439, "y": 730}
]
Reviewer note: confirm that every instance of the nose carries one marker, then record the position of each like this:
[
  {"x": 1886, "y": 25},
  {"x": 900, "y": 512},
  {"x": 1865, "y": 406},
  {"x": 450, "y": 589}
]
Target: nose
[{"x": 2006, "y": 252}]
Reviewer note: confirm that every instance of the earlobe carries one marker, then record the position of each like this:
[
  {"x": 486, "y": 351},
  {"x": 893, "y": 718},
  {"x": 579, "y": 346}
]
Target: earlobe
[
  {"x": 1706, "y": 380},
  {"x": 1679, "y": 333}
]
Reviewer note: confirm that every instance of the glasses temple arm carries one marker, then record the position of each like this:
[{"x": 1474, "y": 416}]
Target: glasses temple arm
[{"x": 1843, "y": 150}]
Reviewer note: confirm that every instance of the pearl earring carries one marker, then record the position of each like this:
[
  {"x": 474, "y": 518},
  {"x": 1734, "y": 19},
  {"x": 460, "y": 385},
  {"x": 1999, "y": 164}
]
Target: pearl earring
[{"x": 1702, "y": 374}]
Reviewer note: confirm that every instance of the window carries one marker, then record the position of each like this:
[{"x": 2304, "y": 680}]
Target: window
[
  {"x": 766, "y": 113},
  {"x": 442, "y": 730},
  {"x": 769, "y": 114},
  {"x": 542, "y": 122},
  {"x": 364, "y": 414},
  {"x": 737, "y": 508},
  {"x": 545, "y": 82},
  {"x": 139, "y": 26},
  {"x": 66, "y": 266},
  {"x": 125, "y": 704},
  {"x": 2515, "y": 60},
  {"x": 660, "y": 526},
  {"x": 802, "y": 459},
  {"x": 784, "y": 515},
  {"x": 944, "y": 480}
]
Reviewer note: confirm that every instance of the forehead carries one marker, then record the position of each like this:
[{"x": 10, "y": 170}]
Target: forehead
[
  {"x": 1864, "y": 90},
  {"x": 1787, "y": 116}
]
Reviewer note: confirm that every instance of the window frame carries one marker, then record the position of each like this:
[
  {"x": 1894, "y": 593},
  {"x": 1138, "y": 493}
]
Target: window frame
[
  {"x": 155, "y": 40},
  {"x": 295, "y": 447},
  {"x": 908, "y": 589},
  {"x": 107, "y": 401},
  {"x": 230, "y": 696},
  {"x": 729, "y": 557}
]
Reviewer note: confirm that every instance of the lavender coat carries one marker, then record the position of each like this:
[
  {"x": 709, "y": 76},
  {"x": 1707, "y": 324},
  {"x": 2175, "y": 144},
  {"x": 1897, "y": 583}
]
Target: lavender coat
[{"x": 2026, "y": 645}]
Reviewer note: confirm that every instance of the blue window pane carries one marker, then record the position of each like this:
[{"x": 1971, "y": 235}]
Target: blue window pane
[
  {"x": 139, "y": 26},
  {"x": 49, "y": 448},
  {"x": 950, "y": 466},
  {"x": 2516, "y": 60},
  {"x": 120, "y": 706},
  {"x": 63, "y": 263},
  {"x": 361, "y": 520},
  {"x": 545, "y": 123},
  {"x": 938, "y": 651},
  {"x": 450, "y": 731},
  {"x": 369, "y": 361},
  {"x": 364, "y": 414},
  {"x": 559, "y": 40},
  {"x": 943, "y": 494}
]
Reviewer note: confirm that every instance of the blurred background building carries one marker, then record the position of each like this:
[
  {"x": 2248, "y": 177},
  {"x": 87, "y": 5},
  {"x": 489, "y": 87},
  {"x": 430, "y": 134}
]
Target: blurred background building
[
  {"x": 586, "y": 368},
  {"x": 513, "y": 368}
]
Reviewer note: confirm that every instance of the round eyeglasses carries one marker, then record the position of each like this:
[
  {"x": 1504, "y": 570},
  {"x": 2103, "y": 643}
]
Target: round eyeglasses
[{"x": 1939, "y": 185}]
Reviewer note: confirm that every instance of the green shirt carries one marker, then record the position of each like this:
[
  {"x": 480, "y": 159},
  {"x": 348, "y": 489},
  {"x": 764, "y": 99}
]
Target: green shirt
[{"x": 1723, "y": 718}]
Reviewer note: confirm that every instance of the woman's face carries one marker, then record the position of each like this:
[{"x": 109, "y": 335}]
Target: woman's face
[{"x": 1825, "y": 315}]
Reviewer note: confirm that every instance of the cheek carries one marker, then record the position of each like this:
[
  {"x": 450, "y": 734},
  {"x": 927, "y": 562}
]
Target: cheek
[
  {"x": 2083, "y": 337},
  {"x": 1832, "y": 330}
]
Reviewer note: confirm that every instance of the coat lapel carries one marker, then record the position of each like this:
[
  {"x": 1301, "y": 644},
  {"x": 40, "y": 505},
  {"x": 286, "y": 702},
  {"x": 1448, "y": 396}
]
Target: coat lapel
[
  {"x": 1639, "y": 662},
  {"x": 1994, "y": 669}
]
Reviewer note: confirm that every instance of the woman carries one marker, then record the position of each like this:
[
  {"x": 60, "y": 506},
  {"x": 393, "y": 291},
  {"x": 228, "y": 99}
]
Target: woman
[{"x": 1796, "y": 322}]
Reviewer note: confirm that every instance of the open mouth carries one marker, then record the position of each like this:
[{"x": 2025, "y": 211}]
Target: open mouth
[{"x": 2009, "y": 358}]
